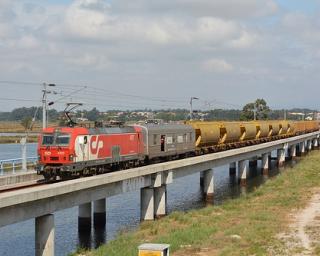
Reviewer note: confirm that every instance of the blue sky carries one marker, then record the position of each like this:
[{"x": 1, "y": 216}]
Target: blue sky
[
  {"x": 157, "y": 54},
  {"x": 307, "y": 6}
]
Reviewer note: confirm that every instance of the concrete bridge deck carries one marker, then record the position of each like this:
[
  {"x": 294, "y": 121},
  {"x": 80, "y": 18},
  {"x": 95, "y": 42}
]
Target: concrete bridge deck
[
  {"x": 17, "y": 178},
  {"x": 40, "y": 202}
]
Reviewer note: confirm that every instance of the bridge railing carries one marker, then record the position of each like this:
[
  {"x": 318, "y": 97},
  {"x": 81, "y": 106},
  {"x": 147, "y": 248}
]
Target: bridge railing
[{"x": 14, "y": 164}]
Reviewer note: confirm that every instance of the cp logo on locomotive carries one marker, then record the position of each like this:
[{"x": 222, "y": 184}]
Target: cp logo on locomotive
[{"x": 96, "y": 144}]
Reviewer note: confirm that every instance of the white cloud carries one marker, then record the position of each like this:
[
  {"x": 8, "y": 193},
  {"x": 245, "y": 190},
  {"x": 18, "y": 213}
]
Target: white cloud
[
  {"x": 101, "y": 25},
  {"x": 246, "y": 40},
  {"x": 89, "y": 61},
  {"x": 86, "y": 19},
  {"x": 5, "y": 5},
  {"x": 4, "y": 30},
  {"x": 217, "y": 66},
  {"x": 28, "y": 42},
  {"x": 149, "y": 46},
  {"x": 302, "y": 26},
  {"x": 224, "y": 9}
]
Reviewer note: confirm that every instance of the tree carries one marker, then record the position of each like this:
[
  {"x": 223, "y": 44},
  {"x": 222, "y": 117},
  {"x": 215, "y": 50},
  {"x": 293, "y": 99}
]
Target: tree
[
  {"x": 93, "y": 115},
  {"x": 26, "y": 123},
  {"x": 257, "y": 109}
]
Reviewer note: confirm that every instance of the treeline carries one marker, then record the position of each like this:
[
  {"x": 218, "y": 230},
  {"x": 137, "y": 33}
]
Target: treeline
[
  {"x": 19, "y": 114},
  {"x": 247, "y": 113}
]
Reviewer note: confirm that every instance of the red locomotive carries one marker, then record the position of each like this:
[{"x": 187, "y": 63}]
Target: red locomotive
[{"x": 76, "y": 151}]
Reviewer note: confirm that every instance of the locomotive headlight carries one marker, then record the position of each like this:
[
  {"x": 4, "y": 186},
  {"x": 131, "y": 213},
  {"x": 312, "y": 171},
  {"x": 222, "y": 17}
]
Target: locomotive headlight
[
  {"x": 39, "y": 157},
  {"x": 71, "y": 156}
]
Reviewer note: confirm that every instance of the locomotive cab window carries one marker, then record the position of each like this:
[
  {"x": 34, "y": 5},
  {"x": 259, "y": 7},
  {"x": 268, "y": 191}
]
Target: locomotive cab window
[
  {"x": 47, "y": 139},
  {"x": 63, "y": 139},
  {"x": 55, "y": 139}
]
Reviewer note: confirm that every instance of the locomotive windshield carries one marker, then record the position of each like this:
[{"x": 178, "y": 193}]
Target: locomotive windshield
[{"x": 56, "y": 139}]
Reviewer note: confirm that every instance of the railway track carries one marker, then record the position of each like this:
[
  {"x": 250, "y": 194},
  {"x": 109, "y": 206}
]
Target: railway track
[{"x": 22, "y": 185}]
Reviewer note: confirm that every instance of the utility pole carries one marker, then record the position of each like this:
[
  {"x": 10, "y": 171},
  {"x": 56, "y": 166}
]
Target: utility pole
[
  {"x": 45, "y": 105},
  {"x": 255, "y": 110},
  {"x": 191, "y": 110}
]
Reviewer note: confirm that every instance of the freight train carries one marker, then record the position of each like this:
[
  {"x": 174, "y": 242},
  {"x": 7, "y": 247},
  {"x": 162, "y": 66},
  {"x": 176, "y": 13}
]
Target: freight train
[{"x": 69, "y": 152}]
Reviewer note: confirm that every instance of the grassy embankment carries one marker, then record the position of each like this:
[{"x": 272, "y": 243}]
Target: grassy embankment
[
  {"x": 16, "y": 127},
  {"x": 244, "y": 226}
]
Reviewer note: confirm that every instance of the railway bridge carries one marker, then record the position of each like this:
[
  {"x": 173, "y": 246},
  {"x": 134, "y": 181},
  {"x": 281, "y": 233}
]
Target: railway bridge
[{"x": 41, "y": 202}]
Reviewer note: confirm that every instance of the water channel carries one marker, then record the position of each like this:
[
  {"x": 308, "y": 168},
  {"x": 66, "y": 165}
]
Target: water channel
[{"x": 123, "y": 211}]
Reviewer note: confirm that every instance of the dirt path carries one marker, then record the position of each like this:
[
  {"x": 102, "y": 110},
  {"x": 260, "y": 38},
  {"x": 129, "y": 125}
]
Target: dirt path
[{"x": 303, "y": 238}]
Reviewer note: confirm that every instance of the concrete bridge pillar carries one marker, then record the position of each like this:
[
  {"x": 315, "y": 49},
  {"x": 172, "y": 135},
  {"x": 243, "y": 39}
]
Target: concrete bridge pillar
[
  {"x": 160, "y": 201},
  {"x": 44, "y": 235},
  {"x": 315, "y": 143},
  {"x": 233, "y": 169},
  {"x": 293, "y": 152},
  {"x": 265, "y": 164},
  {"x": 84, "y": 218},
  {"x": 147, "y": 204},
  {"x": 309, "y": 145},
  {"x": 99, "y": 213},
  {"x": 302, "y": 146},
  {"x": 208, "y": 185},
  {"x": 281, "y": 155},
  {"x": 243, "y": 172}
]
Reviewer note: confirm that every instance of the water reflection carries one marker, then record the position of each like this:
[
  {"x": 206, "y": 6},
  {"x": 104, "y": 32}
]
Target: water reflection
[
  {"x": 92, "y": 237},
  {"x": 85, "y": 238},
  {"x": 99, "y": 236}
]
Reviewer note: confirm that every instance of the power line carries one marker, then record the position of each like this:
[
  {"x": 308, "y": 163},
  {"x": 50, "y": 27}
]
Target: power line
[
  {"x": 16, "y": 99},
  {"x": 138, "y": 96},
  {"x": 34, "y": 83},
  {"x": 72, "y": 93},
  {"x": 95, "y": 89},
  {"x": 19, "y": 83},
  {"x": 96, "y": 92},
  {"x": 111, "y": 98}
]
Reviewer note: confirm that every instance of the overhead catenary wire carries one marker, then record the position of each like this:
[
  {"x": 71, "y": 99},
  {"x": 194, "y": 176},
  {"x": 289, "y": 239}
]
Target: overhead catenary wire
[
  {"x": 132, "y": 100},
  {"x": 97, "y": 90},
  {"x": 18, "y": 99}
]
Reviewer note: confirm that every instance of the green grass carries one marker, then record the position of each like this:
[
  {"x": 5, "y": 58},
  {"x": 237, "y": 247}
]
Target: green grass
[
  {"x": 256, "y": 217},
  {"x": 15, "y": 126}
]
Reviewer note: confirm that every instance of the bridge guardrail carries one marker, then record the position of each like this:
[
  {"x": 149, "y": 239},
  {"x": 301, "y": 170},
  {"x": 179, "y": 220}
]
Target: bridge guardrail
[{"x": 14, "y": 164}]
